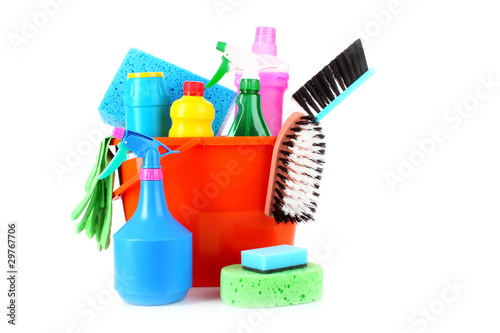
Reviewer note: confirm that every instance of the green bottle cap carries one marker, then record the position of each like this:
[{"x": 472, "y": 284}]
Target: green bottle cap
[{"x": 250, "y": 84}]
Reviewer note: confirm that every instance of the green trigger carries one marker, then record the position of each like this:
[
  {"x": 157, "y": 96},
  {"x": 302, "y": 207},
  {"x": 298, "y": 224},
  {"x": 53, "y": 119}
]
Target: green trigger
[
  {"x": 120, "y": 157},
  {"x": 223, "y": 69}
]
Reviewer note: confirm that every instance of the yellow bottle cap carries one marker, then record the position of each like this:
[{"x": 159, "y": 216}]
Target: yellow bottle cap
[{"x": 147, "y": 74}]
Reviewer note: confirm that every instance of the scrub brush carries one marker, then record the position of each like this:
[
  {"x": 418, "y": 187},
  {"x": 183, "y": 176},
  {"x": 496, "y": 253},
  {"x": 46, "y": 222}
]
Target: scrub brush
[
  {"x": 337, "y": 80},
  {"x": 296, "y": 169},
  {"x": 297, "y": 166}
]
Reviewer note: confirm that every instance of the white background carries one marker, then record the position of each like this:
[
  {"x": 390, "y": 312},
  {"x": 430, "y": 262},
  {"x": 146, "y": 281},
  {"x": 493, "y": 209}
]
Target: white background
[{"x": 393, "y": 253}]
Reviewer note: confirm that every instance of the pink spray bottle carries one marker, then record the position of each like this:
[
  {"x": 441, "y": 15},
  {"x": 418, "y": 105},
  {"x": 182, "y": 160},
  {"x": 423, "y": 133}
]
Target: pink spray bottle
[{"x": 273, "y": 81}]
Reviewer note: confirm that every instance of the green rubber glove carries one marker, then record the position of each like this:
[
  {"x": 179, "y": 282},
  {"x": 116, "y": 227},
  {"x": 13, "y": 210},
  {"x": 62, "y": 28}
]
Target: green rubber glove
[{"x": 97, "y": 202}]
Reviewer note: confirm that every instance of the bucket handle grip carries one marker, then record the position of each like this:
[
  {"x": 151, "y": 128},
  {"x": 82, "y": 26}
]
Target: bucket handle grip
[{"x": 163, "y": 160}]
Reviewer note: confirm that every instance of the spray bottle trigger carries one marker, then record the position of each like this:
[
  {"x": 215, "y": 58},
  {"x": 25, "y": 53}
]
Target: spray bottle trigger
[
  {"x": 224, "y": 68},
  {"x": 169, "y": 151},
  {"x": 120, "y": 157}
]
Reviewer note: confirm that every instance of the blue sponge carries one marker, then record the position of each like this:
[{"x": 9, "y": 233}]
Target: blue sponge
[
  {"x": 274, "y": 259},
  {"x": 112, "y": 109}
]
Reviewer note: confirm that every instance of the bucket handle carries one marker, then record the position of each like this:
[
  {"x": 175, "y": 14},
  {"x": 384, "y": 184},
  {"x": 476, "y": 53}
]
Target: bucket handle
[{"x": 163, "y": 160}]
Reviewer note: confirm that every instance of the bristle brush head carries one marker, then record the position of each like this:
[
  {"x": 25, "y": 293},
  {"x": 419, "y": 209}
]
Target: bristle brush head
[
  {"x": 323, "y": 88},
  {"x": 299, "y": 171}
]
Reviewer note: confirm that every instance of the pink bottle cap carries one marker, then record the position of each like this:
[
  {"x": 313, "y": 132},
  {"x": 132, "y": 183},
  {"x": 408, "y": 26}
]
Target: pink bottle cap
[
  {"x": 118, "y": 133},
  {"x": 265, "y": 41}
]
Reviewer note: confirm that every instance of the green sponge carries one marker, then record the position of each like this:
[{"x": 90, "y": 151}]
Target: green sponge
[{"x": 244, "y": 288}]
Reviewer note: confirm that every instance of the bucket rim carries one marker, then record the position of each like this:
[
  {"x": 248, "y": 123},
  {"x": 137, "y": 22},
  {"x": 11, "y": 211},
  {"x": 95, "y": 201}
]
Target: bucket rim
[{"x": 216, "y": 141}]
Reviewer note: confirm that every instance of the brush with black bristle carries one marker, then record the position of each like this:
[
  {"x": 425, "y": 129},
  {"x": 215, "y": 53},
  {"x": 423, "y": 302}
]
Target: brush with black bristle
[
  {"x": 297, "y": 166},
  {"x": 334, "y": 82},
  {"x": 296, "y": 170}
]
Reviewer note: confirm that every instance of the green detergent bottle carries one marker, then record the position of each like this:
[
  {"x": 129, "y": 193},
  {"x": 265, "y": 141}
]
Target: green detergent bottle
[{"x": 249, "y": 120}]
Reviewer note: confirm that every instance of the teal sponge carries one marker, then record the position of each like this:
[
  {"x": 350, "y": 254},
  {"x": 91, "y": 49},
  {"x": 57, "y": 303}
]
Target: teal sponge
[
  {"x": 112, "y": 110},
  {"x": 274, "y": 258},
  {"x": 244, "y": 288}
]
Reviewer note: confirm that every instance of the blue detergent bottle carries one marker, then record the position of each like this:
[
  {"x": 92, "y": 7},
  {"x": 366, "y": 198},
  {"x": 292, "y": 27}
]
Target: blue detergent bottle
[
  {"x": 153, "y": 251},
  {"x": 147, "y": 104}
]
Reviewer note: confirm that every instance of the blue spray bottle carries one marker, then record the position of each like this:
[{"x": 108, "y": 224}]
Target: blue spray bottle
[{"x": 153, "y": 252}]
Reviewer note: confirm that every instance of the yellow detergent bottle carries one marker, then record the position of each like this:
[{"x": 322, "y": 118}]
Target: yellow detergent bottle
[{"x": 192, "y": 115}]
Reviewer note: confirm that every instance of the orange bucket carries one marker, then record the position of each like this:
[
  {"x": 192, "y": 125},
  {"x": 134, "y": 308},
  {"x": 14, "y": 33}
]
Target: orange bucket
[{"x": 216, "y": 187}]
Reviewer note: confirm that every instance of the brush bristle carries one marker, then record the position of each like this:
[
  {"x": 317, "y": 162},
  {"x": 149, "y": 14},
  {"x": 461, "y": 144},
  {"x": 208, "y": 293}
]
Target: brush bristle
[
  {"x": 300, "y": 169},
  {"x": 332, "y": 80}
]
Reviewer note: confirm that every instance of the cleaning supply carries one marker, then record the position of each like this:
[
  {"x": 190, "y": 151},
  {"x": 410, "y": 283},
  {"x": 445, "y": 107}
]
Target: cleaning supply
[
  {"x": 192, "y": 115},
  {"x": 297, "y": 164},
  {"x": 337, "y": 80},
  {"x": 97, "y": 202},
  {"x": 273, "y": 81},
  {"x": 274, "y": 259},
  {"x": 296, "y": 170},
  {"x": 243, "y": 288},
  {"x": 112, "y": 108},
  {"x": 152, "y": 249},
  {"x": 147, "y": 104},
  {"x": 249, "y": 120}
]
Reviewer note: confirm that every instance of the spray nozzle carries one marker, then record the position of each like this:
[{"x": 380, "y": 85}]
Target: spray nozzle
[
  {"x": 142, "y": 145},
  {"x": 221, "y": 46},
  {"x": 234, "y": 58}
]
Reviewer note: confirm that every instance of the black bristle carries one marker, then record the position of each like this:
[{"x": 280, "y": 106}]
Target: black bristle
[
  {"x": 279, "y": 202},
  {"x": 307, "y": 217},
  {"x": 351, "y": 55},
  {"x": 283, "y": 178},
  {"x": 309, "y": 100},
  {"x": 277, "y": 216},
  {"x": 282, "y": 168},
  {"x": 361, "y": 56},
  {"x": 324, "y": 87},
  {"x": 288, "y": 143},
  {"x": 300, "y": 99},
  {"x": 316, "y": 94},
  {"x": 345, "y": 69},
  {"x": 337, "y": 74},
  {"x": 309, "y": 118},
  {"x": 328, "y": 74},
  {"x": 284, "y": 152},
  {"x": 280, "y": 194},
  {"x": 280, "y": 185},
  {"x": 284, "y": 161}
]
